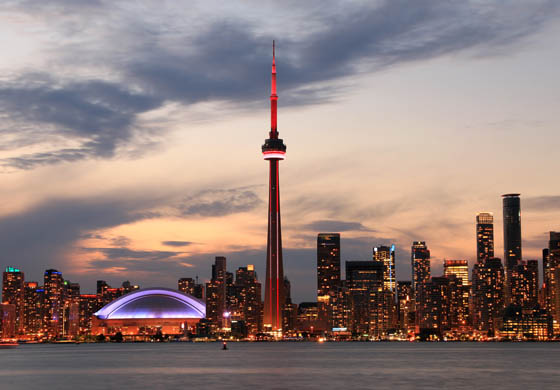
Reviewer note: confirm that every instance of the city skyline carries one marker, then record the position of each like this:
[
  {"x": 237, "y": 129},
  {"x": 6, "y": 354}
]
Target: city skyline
[{"x": 116, "y": 158}]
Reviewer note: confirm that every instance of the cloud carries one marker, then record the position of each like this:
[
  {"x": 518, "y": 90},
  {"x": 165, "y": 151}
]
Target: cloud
[
  {"x": 176, "y": 243},
  {"x": 541, "y": 203},
  {"x": 216, "y": 202},
  {"x": 157, "y": 60},
  {"x": 336, "y": 226}
]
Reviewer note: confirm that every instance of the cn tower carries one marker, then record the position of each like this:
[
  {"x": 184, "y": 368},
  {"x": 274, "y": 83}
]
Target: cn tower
[{"x": 273, "y": 150}]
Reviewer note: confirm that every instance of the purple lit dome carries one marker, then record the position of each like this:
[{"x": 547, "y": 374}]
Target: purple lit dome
[{"x": 153, "y": 303}]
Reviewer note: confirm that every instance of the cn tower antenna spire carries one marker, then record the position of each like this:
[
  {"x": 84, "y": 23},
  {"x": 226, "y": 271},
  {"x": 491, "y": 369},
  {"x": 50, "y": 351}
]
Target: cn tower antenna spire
[{"x": 273, "y": 97}]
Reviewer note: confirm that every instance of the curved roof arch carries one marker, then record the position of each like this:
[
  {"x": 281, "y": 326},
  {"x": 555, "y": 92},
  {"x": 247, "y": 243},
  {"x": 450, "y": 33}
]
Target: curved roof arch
[{"x": 153, "y": 303}]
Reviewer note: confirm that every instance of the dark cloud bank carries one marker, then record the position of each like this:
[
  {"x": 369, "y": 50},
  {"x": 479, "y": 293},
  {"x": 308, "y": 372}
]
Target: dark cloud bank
[{"x": 229, "y": 61}]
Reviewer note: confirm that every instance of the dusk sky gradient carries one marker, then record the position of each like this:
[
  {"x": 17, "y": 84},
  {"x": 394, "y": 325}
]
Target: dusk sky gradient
[{"x": 130, "y": 132}]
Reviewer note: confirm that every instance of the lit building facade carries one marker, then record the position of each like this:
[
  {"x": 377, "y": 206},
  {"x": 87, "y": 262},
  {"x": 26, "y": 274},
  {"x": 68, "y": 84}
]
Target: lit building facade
[
  {"x": 484, "y": 237},
  {"x": 7, "y": 320},
  {"x": 216, "y": 294},
  {"x": 248, "y": 292},
  {"x": 13, "y": 293},
  {"x": 53, "y": 304},
  {"x": 33, "y": 309},
  {"x": 148, "y": 312},
  {"x": 488, "y": 294},
  {"x": 552, "y": 276},
  {"x": 386, "y": 254},
  {"x": 191, "y": 286},
  {"x": 525, "y": 284},
  {"x": 328, "y": 263},
  {"x": 405, "y": 305},
  {"x": 420, "y": 261},
  {"x": 512, "y": 238}
]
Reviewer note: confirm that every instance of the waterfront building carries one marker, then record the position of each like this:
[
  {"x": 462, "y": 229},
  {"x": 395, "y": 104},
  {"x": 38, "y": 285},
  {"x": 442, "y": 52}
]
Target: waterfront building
[
  {"x": 525, "y": 324},
  {"x": 13, "y": 293},
  {"x": 249, "y": 305},
  {"x": 434, "y": 308},
  {"x": 484, "y": 237},
  {"x": 512, "y": 239},
  {"x": 274, "y": 151},
  {"x": 488, "y": 294},
  {"x": 289, "y": 310},
  {"x": 386, "y": 254},
  {"x": 7, "y": 320},
  {"x": 33, "y": 309},
  {"x": 405, "y": 306},
  {"x": 420, "y": 261},
  {"x": 460, "y": 310},
  {"x": 552, "y": 276},
  {"x": 147, "y": 312},
  {"x": 341, "y": 314},
  {"x": 88, "y": 304},
  {"x": 369, "y": 301}
]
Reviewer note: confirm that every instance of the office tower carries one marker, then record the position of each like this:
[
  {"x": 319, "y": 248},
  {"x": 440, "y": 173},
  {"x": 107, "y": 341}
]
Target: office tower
[
  {"x": 33, "y": 308},
  {"x": 484, "y": 237},
  {"x": 552, "y": 276},
  {"x": 13, "y": 293},
  {"x": 386, "y": 254},
  {"x": 525, "y": 284},
  {"x": 274, "y": 150},
  {"x": 89, "y": 304},
  {"x": 420, "y": 258},
  {"x": 187, "y": 285},
  {"x": 512, "y": 238},
  {"x": 488, "y": 294},
  {"x": 341, "y": 314},
  {"x": 369, "y": 302},
  {"x": 216, "y": 294},
  {"x": 53, "y": 313},
  {"x": 128, "y": 287},
  {"x": 405, "y": 306},
  {"x": 328, "y": 263},
  {"x": 459, "y": 268},
  {"x": 248, "y": 291},
  {"x": 71, "y": 318},
  {"x": 7, "y": 320}
]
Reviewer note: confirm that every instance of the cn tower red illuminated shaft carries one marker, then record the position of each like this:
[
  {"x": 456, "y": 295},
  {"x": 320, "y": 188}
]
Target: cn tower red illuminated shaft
[{"x": 274, "y": 150}]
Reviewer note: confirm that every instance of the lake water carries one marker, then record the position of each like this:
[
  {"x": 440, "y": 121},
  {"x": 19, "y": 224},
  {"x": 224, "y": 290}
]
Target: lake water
[{"x": 282, "y": 366}]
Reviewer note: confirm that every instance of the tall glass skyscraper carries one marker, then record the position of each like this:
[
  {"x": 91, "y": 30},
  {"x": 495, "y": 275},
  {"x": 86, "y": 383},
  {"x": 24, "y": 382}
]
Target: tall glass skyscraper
[
  {"x": 328, "y": 263},
  {"x": 512, "y": 238},
  {"x": 420, "y": 259},
  {"x": 386, "y": 254}
]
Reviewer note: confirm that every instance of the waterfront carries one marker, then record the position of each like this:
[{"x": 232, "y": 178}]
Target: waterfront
[{"x": 282, "y": 366}]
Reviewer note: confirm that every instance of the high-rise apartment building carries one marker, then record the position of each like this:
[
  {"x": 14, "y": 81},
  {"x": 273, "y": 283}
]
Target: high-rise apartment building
[
  {"x": 249, "y": 305},
  {"x": 525, "y": 284},
  {"x": 386, "y": 254},
  {"x": 484, "y": 237},
  {"x": 13, "y": 293},
  {"x": 552, "y": 276},
  {"x": 488, "y": 294},
  {"x": 405, "y": 305},
  {"x": 191, "y": 286},
  {"x": 53, "y": 304},
  {"x": 33, "y": 308}
]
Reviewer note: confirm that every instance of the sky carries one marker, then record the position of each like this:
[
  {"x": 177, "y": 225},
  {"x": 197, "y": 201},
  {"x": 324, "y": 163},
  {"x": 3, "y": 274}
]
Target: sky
[{"x": 130, "y": 132}]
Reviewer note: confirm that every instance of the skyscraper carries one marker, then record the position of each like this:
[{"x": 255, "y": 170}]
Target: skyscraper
[
  {"x": 525, "y": 284},
  {"x": 274, "y": 150},
  {"x": 13, "y": 293},
  {"x": 33, "y": 307},
  {"x": 386, "y": 254},
  {"x": 249, "y": 304},
  {"x": 216, "y": 294},
  {"x": 512, "y": 238},
  {"x": 488, "y": 294},
  {"x": 552, "y": 276},
  {"x": 328, "y": 263},
  {"x": 420, "y": 259},
  {"x": 53, "y": 313},
  {"x": 484, "y": 236}
]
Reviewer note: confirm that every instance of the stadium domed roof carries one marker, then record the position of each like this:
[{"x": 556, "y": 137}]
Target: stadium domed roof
[{"x": 153, "y": 303}]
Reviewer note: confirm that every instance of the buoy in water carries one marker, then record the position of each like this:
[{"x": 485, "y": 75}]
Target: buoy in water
[{"x": 224, "y": 346}]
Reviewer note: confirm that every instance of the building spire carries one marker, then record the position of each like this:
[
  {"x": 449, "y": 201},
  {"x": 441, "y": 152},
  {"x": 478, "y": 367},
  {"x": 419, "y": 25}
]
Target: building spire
[{"x": 273, "y": 97}]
